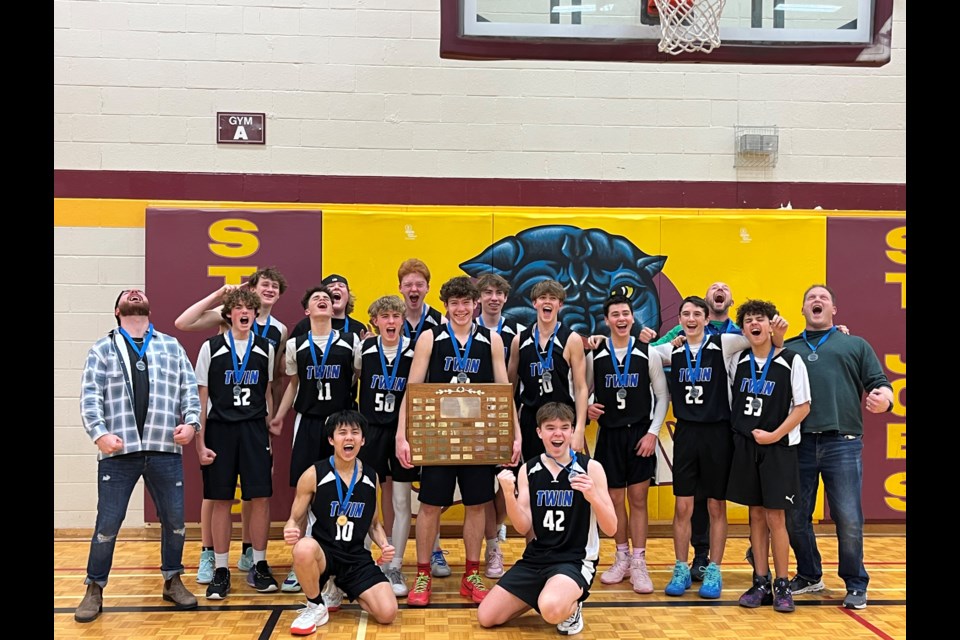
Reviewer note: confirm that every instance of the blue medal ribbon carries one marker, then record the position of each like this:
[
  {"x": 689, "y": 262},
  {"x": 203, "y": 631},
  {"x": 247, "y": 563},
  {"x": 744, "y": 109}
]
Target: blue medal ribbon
[
  {"x": 693, "y": 369},
  {"x": 344, "y": 501},
  {"x": 546, "y": 364},
  {"x": 266, "y": 327},
  {"x": 571, "y": 472},
  {"x": 388, "y": 379},
  {"x": 326, "y": 352},
  {"x": 499, "y": 324},
  {"x": 826, "y": 336},
  {"x": 711, "y": 330},
  {"x": 147, "y": 337},
  {"x": 406, "y": 331},
  {"x": 757, "y": 386},
  {"x": 622, "y": 377},
  {"x": 239, "y": 367},
  {"x": 462, "y": 361}
]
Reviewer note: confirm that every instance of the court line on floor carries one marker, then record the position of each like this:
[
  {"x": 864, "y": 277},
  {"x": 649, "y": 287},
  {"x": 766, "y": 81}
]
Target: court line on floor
[{"x": 853, "y": 614}]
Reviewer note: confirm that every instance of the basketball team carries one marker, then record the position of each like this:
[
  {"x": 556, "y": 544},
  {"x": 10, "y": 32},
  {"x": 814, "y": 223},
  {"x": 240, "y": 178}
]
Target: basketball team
[{"x": 760, "y": 419}]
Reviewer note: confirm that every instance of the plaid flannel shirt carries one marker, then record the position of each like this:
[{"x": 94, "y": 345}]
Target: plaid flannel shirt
[{"x": 106, "y": 400}]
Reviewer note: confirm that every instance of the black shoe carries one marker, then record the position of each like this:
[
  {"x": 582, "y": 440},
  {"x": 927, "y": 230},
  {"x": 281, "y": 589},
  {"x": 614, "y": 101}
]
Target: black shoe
[
  {"x": 698, "y": 567},
  {"x": 760, "y": 594},
  {"x": 782, "y": 596},
  {"x": 261, "y": 578},
  {"x": 220, "y": 587},
  {"x": 799, "y": 585}
]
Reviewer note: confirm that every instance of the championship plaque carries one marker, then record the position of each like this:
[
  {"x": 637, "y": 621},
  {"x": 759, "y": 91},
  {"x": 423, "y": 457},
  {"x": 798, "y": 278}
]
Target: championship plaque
[{"x": 460, "y": 423}]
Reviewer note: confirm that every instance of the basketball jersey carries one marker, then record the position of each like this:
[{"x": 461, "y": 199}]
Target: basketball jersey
[
  {"x": 445, "y": 361},
  {"x": 507, "y": 334},
  {"x": 273, "y": 333},
  {"x": 564, "y": 525},
  {"x": 335, "y": 377},
  {"x": 636, "y": 407},
  {"x": 347, "y": 539},
  {"x": 776, "y": 394},
  {"x": 534, "y": 392},
  {"x": 343, "y": 325},
  {"x": 373, "y": 387},
  {"x": 433, "y": 319},
  {"x": 251, "y": 403},
  {"x": 713, "y": 402}
]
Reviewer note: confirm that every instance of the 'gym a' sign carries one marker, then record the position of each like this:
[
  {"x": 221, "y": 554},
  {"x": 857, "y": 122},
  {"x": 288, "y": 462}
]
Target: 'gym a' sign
[{"x": 241, "y": 128}]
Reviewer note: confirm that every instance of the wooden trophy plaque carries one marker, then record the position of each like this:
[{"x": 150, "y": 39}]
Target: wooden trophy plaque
[{"x": 454, "y": 424}]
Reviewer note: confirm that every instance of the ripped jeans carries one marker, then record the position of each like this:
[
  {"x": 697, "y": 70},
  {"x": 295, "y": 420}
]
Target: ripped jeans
[{"x": 117, "y": 477}]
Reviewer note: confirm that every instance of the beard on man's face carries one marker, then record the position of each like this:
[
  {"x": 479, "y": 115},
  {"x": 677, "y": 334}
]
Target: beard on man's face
[{"x": 128, "y": 308}]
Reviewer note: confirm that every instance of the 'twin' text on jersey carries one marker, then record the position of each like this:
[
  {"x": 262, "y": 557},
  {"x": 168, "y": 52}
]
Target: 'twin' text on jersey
[{"x": 444, "y": 359}]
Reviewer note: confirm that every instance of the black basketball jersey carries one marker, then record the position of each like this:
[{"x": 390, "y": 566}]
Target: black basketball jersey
[
  {"x": 564, "y": 525},
  {"x": 374, "y": 404},
  {"x": 636, "y": 406},
  {"x": 775, "y": 395},
  {"x": 346, "y": 539},
  {"x": 445, "y": 362},
  {"x": 710, "y": 402},
  {"x": 272, "y": 332},
  {"x": 326, "y": 387},
  {"x": 251, "y": 402},
  {"x": 534, "y": 391},
  {"x": 433, "y": 319},
  {"x": 507, "y": 333}
]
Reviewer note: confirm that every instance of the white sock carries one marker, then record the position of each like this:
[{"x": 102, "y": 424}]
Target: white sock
[
  {"x": 221, "y": 560},
  {"x": 259, "y": 555},
  {"x": 401, "y": 520}
]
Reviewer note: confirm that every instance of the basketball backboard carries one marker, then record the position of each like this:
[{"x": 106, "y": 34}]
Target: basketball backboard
[{"x": 830, "y": 32}]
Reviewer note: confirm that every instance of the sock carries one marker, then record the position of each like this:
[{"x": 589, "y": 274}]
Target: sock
[
  {"x": 221, "y": 560},
  {"x": 472, "y": 565},
  {"x": 259, "y": 555},
  {"x": 318, "y": 600},
  {"x": 623, "y": 548},
  {"x": 493, "y": 544},
  {"x": 206, "y": 548},
  {"x": 639, "y": 553},
  {"x": 423, "y": 568},
  {"x": 245, "y": 546}
]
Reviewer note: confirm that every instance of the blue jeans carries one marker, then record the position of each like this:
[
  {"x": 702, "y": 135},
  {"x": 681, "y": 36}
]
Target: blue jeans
[
  {"x": 163, "y": 476},
  {"x": 838, "y": 459}
]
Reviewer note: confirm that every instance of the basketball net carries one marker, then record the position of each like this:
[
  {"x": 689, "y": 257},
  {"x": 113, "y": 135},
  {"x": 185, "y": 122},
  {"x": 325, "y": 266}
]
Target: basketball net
[{"x": 689, "y": 25}]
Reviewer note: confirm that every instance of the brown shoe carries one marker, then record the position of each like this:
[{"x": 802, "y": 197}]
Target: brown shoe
[
  {"x": 91, "y": 605},
  {"x": 175, "y": 592}
]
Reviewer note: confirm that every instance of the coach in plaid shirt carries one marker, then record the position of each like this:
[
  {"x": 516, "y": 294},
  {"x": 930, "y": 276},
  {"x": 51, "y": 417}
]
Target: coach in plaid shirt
[{"x": 140, "y": 406}]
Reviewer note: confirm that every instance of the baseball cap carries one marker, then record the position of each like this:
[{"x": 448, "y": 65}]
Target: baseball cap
[{"x": 334, "y": 277}]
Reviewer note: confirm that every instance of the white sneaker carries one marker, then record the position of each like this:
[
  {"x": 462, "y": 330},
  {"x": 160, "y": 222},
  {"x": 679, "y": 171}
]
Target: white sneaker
[
  {"x": 290, "y": 584},
  {"x": 332, "y": 596},
  {"x": 494, "y": 558},
  {"x": 620, "y": 568},
  {"x": 397, "y": 583},
  {"x": 572, "y": 625},
  {"x": 308, "y": 619}
]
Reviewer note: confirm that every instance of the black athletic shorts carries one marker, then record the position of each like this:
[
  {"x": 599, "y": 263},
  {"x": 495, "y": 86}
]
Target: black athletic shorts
[
  {"x": 242, "y": 448},
  {"x": 310, "y": 443},
  {"x": 531, "y": 444},
  {"x": 354, "y": 575},
  {"x": 702, "y": 455},
  {"x": 765, "y": 476},
  {"x": 379, "y": 451},
  {"x": 437, "y": 484},
  {"x": 526, "y": 580},
  {"x": 617, "y": 452}
]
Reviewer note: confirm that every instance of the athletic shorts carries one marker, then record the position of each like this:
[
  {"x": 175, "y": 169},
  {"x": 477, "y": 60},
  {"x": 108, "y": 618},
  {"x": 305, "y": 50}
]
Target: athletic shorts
[
  {"x": 310, "y": 444},
  {"x": 526, "y": 580},
  {"x": 531, "y": 444},
  {"x": 379, "y": 451},
  {"x": 617, "y": 452},
  {"x": 242, "y": 448},
  {"x": 765, "y": 476},
  {"x": 702, "y": 455},
  {"x": 437, "y": 484},
  {"x": 354, "y": 575}
]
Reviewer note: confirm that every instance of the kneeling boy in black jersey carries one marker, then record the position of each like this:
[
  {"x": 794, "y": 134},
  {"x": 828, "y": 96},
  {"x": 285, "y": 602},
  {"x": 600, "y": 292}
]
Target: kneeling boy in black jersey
[
  {"x": 342, "y": 494},
  {"x": 563, "y": 496}
]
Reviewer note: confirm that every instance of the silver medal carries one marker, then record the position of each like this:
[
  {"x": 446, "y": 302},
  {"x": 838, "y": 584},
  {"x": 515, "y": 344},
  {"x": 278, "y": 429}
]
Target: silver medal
[
  {"x": 621, "y": 394},
  {"x": 695, "y": 392},
  {"x": 388, "y": 402},
  {"x": 813, "y": 357},
  {"x": 141, "y": 365},
  {"x": 547, "y": 377},
  {"x": 756, "y": 403},
  {"x": 236, "y": 390},
  {"x": 461, "y": 377},
  {"x": 572, "y": 473}
]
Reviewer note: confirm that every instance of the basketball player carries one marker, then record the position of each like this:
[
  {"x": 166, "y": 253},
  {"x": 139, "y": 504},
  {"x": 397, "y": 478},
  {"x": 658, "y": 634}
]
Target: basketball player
[
  {"x": 463, "y": 352},
  {"x": 340, "y": 492},
  {"x": 234, "y": 372},
  {"x": 562, "y": 496},
  {"x": 623, "y": 374},
  {"x": 204, "y": 315},
  {"x": 771, "y": 395},
  {"x": 343, "y": 304}
]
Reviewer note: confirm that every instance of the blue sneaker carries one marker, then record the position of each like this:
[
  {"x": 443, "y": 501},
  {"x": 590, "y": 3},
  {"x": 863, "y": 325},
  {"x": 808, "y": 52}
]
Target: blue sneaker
[
  {"x": 290, "y": 584},
  {"x": 680, "y": 581},
  {"x": 207, "y": 565},
  {"x": 712, "y": 582},
  {"x": 438, "y": 564},
  {"x": 245, "y": 563}
]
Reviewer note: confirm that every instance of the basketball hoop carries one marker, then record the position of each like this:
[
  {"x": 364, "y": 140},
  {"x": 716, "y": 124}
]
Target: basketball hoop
[{"x": 689, "y": 25}]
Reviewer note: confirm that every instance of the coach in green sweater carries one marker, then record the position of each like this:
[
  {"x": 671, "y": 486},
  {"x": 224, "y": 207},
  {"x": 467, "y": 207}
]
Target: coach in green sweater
[{"x": 841, "y": 369}]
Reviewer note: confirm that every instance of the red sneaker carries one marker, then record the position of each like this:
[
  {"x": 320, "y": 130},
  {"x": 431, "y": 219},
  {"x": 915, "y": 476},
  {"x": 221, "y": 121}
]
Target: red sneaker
[
  {"x": 472, "y": 586},
  {"x": 419, "y": 596}
]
